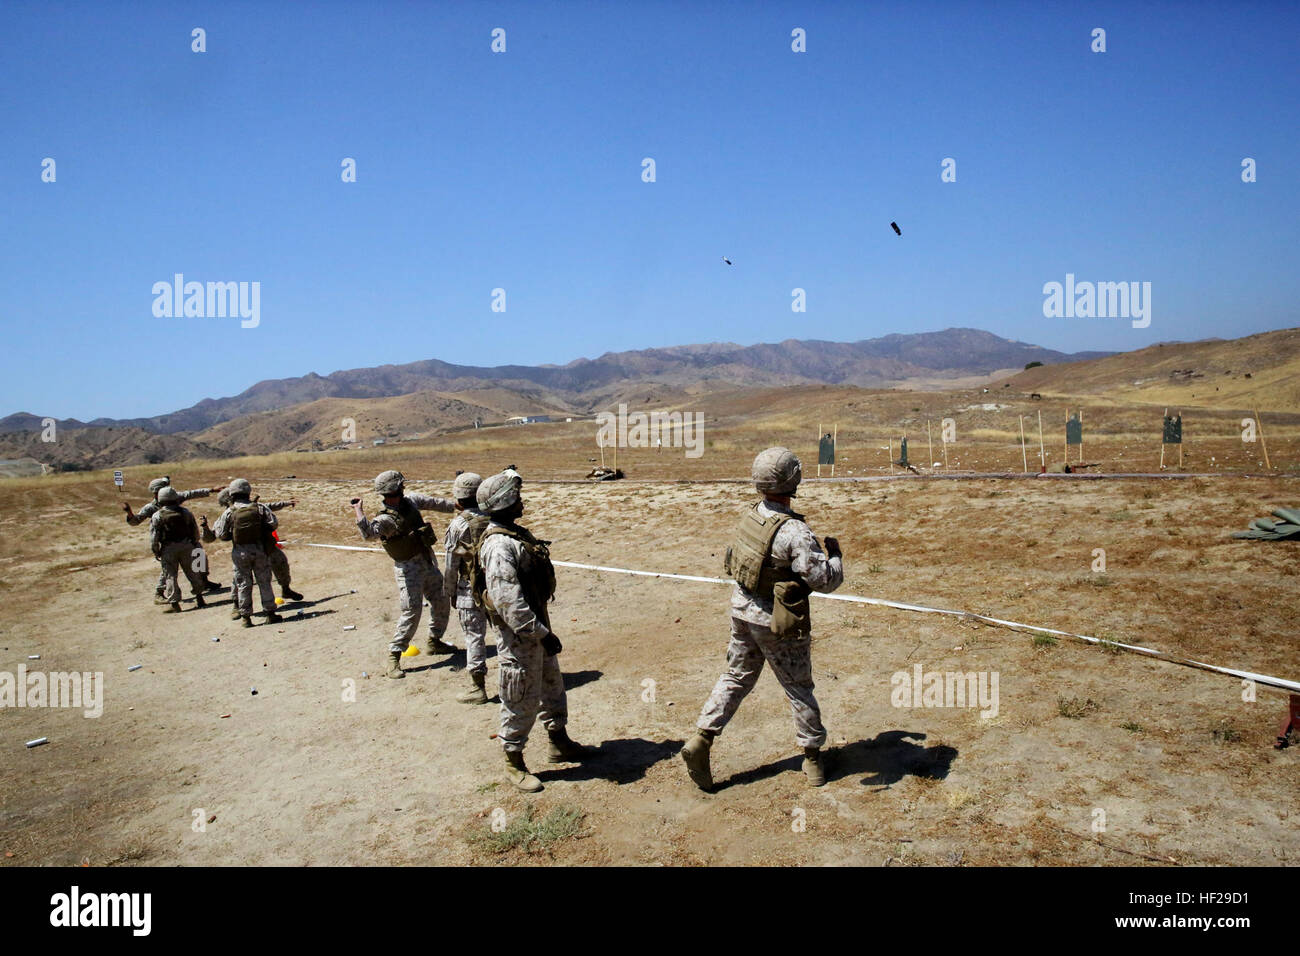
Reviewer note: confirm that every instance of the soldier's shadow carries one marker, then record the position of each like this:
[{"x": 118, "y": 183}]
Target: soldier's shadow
[
  {"x": 578, "y": 678},
  {"x": 619, "y": 761},
  {"x": 885, "y": 760}
]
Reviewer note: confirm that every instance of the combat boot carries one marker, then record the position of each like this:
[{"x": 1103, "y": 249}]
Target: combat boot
[
  {"x": 812, "y": 766},
  {"x": 158, "y": 598},
  {"x": 477, "y": 694},
  {"x": 563, "y": 750},
  {"x": 437, "y": 645},
  {"x": 247, "y": 619},
  {"x": 696, "y": 756},
  {"x": 289, "y": 594},
  {"x": 517, "y": 773},
  {"x": 211, "y": 586},
  {"x": 273, "y": 618},
  {"x": 199, "y": 602},
  {"x": 394, "y": 666},
  {"x": 174, "y": 609},
  {"x": 234, "y": 613}
]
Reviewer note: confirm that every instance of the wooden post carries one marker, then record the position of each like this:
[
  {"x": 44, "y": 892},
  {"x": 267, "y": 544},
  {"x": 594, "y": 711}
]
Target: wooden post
[
  {"x": 1042, "y": 451},
  {"x": 819, "y": 449},
  {"x": 601, "y": 442},
  {"x": 1081, "y": 434},
  {"x": 945, "y": 455},
  {"x": 1024, "y": 455},
  {"x": 891, "y": 454},
  {"x": 1180, "y": 444},
  {"x": 929, "y": 441},
  {"x": 835, "y": 442},
  {"x": 1067, "y": 434},
  {"x": 1259, "y": 429}
]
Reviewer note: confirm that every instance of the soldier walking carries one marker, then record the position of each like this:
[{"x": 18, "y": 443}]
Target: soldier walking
[
  {"x": 776, "y": 562},
  {"x": 409, "y": 541},
  {"x": 173, "y": 535},
  {"x": 513, "y": 581},
  {"x": 461, "y": 539},
  {"x": 248, "y": 525}
]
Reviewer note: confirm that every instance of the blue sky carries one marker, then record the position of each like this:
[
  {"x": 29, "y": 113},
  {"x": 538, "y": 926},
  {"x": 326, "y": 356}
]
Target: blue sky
[{"x": 522, "y": 171}]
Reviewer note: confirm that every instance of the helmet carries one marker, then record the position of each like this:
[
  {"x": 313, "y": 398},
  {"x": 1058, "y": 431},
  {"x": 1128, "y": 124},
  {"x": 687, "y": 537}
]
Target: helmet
[
  {"x": 158, "y": 484},
  {"x": 389, "y": 483},
  {"x": 499, "y": 492},
  {"x": 223, "y": 498},
  {"x": 239, "y": 486},
  {"x": 777, "y": 471},
  {"x": 167, "y": 495},
  {"x": 466, "y": 485}
]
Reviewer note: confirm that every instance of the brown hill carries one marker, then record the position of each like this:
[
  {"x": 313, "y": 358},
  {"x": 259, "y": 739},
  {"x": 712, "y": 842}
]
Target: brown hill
[{"x": 1258, "y": 371}]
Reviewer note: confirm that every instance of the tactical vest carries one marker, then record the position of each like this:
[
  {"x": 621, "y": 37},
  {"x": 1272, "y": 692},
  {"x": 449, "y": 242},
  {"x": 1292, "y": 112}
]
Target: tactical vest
[
  {"x": 247, "y": 524},
  {"x": 536, "y": 574},
  {"x": 749, "y": 562},
  {"x": 413, "y": 536},
  {"x": 475, "y": 525},
  {"x": 173, "y": 525}
]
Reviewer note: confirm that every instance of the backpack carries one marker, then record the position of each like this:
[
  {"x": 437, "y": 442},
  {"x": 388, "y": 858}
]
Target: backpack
[{"x": 538, "y": 584}]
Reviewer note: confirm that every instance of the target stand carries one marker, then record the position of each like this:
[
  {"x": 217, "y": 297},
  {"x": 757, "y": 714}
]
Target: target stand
[{"x": 1289, "y": 723}]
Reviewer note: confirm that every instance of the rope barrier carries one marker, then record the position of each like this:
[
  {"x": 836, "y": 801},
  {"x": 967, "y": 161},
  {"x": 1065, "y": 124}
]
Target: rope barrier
[{"x": 1277, "y": 683}]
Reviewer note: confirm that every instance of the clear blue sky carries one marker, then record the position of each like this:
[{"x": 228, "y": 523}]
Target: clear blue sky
[{"x": 522, "y": 170}]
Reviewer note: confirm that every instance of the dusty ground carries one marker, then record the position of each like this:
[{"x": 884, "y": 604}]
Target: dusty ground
[{"x": 1178, "y": 763}]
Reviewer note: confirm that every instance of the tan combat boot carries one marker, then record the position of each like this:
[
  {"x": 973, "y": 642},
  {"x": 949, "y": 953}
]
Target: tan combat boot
[
  {"x": 696, "y": 756},
  {"x": 518, "y": 774},
  {"x": 812, "y": 766},
  {"x": 477, "y": 694},
  {"x": 394, "y": 666},
  {"x": 437, "y": 645},
  {"x": 247, "y": 619},
  {"x": 561, "y": 749},
  {"x": 234, "y": 613},
  {"x": 174, "y": 609},
  {"x": 199, "y": 602},
  {"x": 273, "y": 618}
]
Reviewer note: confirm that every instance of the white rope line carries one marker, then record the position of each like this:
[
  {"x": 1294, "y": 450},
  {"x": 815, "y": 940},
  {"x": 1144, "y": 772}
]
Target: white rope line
[{"x": 1277, "y": 683}]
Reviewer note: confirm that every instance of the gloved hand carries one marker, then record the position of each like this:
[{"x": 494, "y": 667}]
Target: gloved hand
[
  {"x": 833, "y": 548},
  {"x": 551, "y": 644}
]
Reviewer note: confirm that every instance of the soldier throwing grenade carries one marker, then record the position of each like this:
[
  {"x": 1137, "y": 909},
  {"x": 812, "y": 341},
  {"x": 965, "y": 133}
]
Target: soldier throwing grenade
[
  {"x": 174, "y": 538},
  {"x": 409, "y": 541},
  {"x": 776, "y": 562}
]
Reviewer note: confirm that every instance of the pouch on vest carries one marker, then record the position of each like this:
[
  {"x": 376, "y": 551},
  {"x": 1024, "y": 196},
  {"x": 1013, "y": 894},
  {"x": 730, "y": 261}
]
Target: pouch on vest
[
  {"x": 248, "y": 526},
  {"x": 751, "y": 549},
  {"x": 790, "y": 613}
]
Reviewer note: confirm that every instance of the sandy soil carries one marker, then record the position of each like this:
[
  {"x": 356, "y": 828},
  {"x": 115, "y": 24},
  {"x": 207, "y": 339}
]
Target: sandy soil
[{"x": 1180, "y": 766}]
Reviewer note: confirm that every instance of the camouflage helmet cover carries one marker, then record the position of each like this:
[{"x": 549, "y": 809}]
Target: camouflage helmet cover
[
  {"x": 167, "y": 495},
  {"x": 389, "y": 483},
  {"x": 499, "y": 491},
  {"x": 158, "y": 484},
  {"x": 466, "y": 485},
  {"x": 239, "y": 486},
  {"x": 223, "y": 498},
  {"x": 777, "y": 471}
]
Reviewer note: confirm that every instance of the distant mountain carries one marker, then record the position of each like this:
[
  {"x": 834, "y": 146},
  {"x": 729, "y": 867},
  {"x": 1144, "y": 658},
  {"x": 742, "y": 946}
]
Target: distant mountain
[{"x": 586, "y": 384}]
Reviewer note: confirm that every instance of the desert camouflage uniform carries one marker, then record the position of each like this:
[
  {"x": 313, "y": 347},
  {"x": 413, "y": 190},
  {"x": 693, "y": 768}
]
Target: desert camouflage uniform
[
  {"x": 176, "y": 556},
  {"x": 473, "y": 622},
  {"x": 250, "y": 561},
  {"x": 149, "y": 510},
  {"x": 528, "y": 679},
  {"x": 278, "y": 559},
  {"x": 417, "y": 578},
  {"x": 752, "y": 641}
]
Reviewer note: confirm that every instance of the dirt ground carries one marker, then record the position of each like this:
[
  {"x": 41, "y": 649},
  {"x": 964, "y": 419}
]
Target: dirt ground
[{"x": 1171, "y": 761}]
